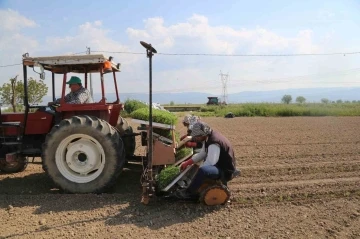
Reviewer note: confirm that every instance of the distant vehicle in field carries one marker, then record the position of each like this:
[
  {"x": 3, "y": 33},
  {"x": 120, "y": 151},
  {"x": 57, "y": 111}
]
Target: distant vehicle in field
[{"x": 212, "y": 100}]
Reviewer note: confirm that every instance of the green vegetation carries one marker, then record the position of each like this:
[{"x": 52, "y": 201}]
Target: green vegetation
[
  {"x": 326, "y": 108},
  {"x": 166, "y": 176},
  {"x": 133, "y": 105},
  {"x": 158, "y": 116},
  {"x": 274, "y": 110}
]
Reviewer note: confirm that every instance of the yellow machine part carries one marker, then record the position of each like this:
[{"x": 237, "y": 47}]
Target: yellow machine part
[{"x": 215, "y": 195}]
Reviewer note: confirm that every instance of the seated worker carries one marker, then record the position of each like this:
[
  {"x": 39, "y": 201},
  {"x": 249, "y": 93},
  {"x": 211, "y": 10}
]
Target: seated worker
[
  {"x": 78, "y": 94},
  {"x": 219, "y": 159}
]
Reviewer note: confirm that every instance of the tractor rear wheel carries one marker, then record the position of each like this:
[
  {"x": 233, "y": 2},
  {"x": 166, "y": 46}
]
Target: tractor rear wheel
[
  {"x": 83, "y": 154},
  {"x": 129, "y": 141}
]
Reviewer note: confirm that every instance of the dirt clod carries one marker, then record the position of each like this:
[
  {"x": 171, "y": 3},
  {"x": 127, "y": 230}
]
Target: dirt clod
[{"x": 42, "y": 222}]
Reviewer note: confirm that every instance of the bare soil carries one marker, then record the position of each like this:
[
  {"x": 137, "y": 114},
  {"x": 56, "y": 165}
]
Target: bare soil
[{"x": 300, "y": 179}]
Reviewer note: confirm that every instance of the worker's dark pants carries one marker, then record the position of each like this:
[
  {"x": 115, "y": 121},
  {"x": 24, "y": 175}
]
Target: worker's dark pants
[{"x": 205, "y": 172}]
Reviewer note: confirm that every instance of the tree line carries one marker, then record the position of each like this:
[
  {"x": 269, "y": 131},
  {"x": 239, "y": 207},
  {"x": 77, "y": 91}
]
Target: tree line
[{"x": 287, "y": 99}]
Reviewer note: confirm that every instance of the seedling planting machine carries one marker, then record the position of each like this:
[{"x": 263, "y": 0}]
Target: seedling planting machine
[{"x": 161, "y": 153}]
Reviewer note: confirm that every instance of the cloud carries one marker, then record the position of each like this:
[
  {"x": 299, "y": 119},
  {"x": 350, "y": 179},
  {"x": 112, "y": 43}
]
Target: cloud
[
  {"x": 197, "y": 34},
  {"x": 13, "y": 21},
  {"x": 13, "y": 42},
  {"x": 91, "y": 34},
  {"x": 96, "y": 36}
]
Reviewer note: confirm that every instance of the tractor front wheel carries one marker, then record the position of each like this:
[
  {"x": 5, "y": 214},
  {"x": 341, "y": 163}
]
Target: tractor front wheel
[
  {"x": 14, "y": 167},
  {"x": 83, "y": 154},
  {"x": 17, "y": 166}
]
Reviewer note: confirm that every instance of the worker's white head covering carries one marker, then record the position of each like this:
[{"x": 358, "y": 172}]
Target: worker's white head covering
[
  {"x": 200, "y": 129},
  {"x": 186, "y": 119},
  {"x": 191, "y": 120}
]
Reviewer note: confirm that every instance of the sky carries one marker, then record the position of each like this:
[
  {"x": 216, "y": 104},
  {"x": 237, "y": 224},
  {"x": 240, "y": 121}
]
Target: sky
[{"x": 46, "y": 28}]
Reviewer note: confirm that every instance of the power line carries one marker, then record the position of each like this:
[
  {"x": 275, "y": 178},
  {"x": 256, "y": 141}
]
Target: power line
[
  {"x": 11, "y": 65},
  {"x": 224, "y": 55},
  {"x": 235, "y": 55},
  {"x": 82, "y": 52}
]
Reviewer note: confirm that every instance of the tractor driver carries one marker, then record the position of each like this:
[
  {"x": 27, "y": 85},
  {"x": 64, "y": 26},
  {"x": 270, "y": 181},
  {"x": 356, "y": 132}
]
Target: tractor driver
[
  {"x": 78, "y": 94},
  {"x": 219, "y": 158}
]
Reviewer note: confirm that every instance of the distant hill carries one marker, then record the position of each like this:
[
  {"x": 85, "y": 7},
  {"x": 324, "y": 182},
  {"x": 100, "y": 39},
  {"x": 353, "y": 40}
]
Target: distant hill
[{"x": 311, "y": 95}]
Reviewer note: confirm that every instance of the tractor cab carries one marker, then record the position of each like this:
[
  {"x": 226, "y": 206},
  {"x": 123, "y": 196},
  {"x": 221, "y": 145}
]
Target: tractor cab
[{"x": 81, "y": 64}]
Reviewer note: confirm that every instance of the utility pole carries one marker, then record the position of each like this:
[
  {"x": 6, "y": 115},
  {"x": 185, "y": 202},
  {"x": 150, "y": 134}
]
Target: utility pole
[
  {"x": 224, "y": 79},
  {"x": 91, "y": 85}
]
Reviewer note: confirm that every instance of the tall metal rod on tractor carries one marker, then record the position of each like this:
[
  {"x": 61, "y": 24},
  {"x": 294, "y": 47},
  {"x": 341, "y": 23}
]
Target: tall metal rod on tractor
[{"x": 149, "y": 52}]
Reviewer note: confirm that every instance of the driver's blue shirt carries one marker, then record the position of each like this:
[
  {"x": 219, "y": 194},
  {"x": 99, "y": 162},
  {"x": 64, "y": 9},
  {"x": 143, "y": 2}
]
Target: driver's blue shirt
[{"x": 80, "y": 96}]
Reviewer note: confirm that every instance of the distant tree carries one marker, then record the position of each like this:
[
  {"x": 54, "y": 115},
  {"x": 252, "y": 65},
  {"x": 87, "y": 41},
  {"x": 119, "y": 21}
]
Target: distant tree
[
  {"x": 325, "y": 101},
  {"x": 347, "y": 101},
  {"x": 172, "y": 103},
  {"x": 300, "y": 99},
  {"x": 339, "y": 101},
  {"x": 354, "y": 101},
  {"x": 13, "y": 93},
  {"x": 333, "y": 102},
  {"x": 9, "y": 93},
  {"x": 37, "y": 89},
  {"x": 286, "y": 99}
]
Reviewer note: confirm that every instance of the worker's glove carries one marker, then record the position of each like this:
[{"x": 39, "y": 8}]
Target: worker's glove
[
  {"x": 183, "y": 137},
  {"x": 185, "y": 164},
  {"x": 190, "y": 144}
]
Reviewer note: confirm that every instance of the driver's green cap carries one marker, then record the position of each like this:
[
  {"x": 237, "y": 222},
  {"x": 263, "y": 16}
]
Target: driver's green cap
[{"x": 74, "y": 80}]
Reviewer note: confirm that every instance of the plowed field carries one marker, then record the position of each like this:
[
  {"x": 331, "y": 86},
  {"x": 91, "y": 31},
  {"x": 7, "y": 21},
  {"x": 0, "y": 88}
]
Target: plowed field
[{"x": 300, "y": 179}]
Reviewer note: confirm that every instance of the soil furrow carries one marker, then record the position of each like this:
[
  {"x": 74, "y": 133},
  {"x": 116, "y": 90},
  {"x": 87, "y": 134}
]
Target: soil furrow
[
  {"x": 297, "y": 177},
  {"x": 296, "y": 183},
  {"x": 297, "y": 159}
]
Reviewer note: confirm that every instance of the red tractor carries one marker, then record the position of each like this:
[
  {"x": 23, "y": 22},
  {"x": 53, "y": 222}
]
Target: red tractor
[{"x": 83, "y": 147}]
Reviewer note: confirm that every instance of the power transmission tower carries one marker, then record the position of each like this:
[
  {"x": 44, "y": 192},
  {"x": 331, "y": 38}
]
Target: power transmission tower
[
  {"x": 91, "y": 85},
  {"x": 224, "y": 79}
]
